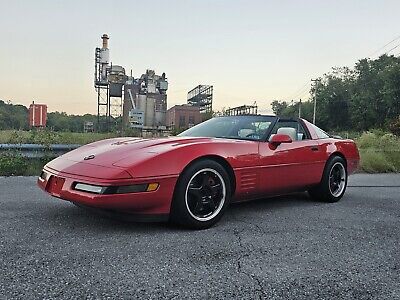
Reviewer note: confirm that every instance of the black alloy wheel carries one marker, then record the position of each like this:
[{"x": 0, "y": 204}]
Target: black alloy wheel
[
  {"x": 201, "y": 196},
  {"x": 334, "y": 181}
]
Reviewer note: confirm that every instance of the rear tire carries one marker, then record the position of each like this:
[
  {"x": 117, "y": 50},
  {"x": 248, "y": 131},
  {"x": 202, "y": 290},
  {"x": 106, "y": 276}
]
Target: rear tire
[
  {"x": 201, "y": 196},
  {"x": 334, "y": 181}
]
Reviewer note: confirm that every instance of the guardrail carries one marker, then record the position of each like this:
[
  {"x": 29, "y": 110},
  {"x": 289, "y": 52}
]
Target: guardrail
[{"x": 38, "y": 151}]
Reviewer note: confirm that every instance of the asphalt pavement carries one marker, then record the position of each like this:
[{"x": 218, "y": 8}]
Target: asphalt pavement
[{"x": 280, "y": 248}]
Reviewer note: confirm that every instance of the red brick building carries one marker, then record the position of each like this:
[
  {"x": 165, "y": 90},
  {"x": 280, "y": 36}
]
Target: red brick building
[
  {"x": 183, "y": 116},
  {"x": 37, "y": 115}
]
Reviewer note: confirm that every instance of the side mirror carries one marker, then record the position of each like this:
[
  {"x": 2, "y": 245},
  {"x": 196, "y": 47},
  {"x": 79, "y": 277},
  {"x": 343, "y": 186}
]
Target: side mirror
[{"x": 278, "y": 139}]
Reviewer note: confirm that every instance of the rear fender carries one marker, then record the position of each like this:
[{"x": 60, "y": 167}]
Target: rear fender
[{"x": 347, "y": 149}]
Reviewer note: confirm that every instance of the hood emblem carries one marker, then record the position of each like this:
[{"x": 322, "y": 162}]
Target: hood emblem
[{"x": 91, "y": 156}]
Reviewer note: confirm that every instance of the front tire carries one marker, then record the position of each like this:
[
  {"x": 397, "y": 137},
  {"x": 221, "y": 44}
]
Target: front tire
[
  {"x": 201, "y": 196},
  {"x": 334, "y": 181}
]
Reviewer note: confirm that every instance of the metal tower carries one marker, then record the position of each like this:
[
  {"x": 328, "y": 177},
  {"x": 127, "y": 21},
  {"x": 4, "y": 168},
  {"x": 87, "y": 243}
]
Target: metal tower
[
  {"x": 242, "y": 110},
  {"x": 201, "y": 96},
  {"x": 108, "y": 82},
  {"x": 102, "y": 56}
]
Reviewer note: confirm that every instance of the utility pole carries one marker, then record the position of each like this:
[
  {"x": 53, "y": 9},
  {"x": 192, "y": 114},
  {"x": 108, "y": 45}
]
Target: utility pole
[
  {"x": 300, "y": 109},
  {"x": 315, "y": 97}
]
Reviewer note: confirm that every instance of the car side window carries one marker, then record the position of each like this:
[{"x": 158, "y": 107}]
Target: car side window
[
  {"x": 255, "y": 130},
  {"x": 319, "y": 132},
  {"x": 298, "y": 134}
]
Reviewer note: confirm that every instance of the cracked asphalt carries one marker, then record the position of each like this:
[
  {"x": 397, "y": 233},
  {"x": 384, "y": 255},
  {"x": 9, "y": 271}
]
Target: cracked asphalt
[{"x": 281, "y": 248}]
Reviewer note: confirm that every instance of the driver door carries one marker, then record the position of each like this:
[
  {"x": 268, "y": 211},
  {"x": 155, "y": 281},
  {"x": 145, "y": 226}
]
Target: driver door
[{"x": 290, "y": 166}]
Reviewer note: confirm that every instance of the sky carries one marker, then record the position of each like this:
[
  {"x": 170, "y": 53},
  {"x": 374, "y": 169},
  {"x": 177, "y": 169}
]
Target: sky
[{"x": 248, "y": 50}]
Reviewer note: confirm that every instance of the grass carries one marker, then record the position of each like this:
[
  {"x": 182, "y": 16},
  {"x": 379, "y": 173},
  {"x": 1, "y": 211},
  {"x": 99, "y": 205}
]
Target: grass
[{"x": 379, "y": 151}]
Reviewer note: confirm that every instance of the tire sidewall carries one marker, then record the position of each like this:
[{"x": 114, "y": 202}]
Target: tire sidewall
[
  {"x": 179, "y": 210},
  {"x": 327, "y": 194}
]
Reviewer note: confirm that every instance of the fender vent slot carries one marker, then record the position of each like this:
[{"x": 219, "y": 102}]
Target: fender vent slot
[{"x": 248, "y": 181}]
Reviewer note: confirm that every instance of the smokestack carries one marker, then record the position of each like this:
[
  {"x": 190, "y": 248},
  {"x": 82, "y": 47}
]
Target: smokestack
[{"x": 105, "y": 39}]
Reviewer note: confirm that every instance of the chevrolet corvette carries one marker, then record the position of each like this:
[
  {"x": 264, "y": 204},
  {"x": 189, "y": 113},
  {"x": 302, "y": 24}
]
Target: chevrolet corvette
[{"x": 191, "y": 178}]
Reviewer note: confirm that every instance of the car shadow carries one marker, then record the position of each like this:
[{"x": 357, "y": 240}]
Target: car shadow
[
  {"x": 71, "y": 217},
  {"x": 98, "y": 221},
  {"x": 291, "y": 200}
]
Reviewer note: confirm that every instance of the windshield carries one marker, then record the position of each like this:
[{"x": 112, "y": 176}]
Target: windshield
[{"x": 234, "y": 127}]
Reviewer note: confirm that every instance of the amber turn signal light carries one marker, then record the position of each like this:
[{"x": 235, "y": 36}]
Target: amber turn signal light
[{"x": 152, "y": 187}]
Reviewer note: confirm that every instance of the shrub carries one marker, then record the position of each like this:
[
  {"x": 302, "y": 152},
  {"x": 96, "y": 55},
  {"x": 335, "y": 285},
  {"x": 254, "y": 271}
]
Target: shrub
[
  {"x": 15, "y": 137},
  {"x": 44, "y": 137},
  {"x": 394, "y": 127},
  {"x": 12, "y": 164},
  {"x": 177, "y": 131},
  {"x": 384, "y": 141},
  {"x": 375, "y": 162},
  {"x": 132, "y": 132}
]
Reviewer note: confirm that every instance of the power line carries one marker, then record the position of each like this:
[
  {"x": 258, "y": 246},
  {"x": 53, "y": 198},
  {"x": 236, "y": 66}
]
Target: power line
[
  {"x": 384, "y": 46},
  {"x": 387, "y": 52},
  {"x": 304, "y": 93},
  {"x": 299, "y": 90}
]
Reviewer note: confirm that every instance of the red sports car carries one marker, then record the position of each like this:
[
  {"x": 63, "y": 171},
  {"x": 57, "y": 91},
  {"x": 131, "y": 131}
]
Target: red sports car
[{"x": 191, "y": 178}]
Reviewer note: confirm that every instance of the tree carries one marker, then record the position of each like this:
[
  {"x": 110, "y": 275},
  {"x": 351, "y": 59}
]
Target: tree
[
  {"x": 365, "y": 97},
  {"x": 13, "y": 116},
  {"x": 278, "y": 107}
]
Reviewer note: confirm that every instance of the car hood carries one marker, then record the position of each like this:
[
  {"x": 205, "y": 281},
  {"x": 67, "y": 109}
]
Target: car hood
[{"x": 113, "y": 152}]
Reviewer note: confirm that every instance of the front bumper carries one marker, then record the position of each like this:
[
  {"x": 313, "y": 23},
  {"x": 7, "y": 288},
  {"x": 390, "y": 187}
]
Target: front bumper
[{"x": 60, "y": 185}]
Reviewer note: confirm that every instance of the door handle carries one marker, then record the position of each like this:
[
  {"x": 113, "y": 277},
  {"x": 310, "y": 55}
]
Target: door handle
[{"x": 314, "y": 148}]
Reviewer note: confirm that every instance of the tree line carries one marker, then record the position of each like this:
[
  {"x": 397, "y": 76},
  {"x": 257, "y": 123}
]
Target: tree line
[
  {"x": 16, "y": 117},
  {"x": 360, "y": 98}
]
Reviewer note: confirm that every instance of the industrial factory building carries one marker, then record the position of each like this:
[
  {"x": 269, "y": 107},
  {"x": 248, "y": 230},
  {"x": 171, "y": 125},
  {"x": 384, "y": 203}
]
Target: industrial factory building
[
  {"x": 125, "y": 101},
  {"x": 183, "y": 116},
  {"x": 134, "y": 102},
  {"x": 145, "y": 101}
]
